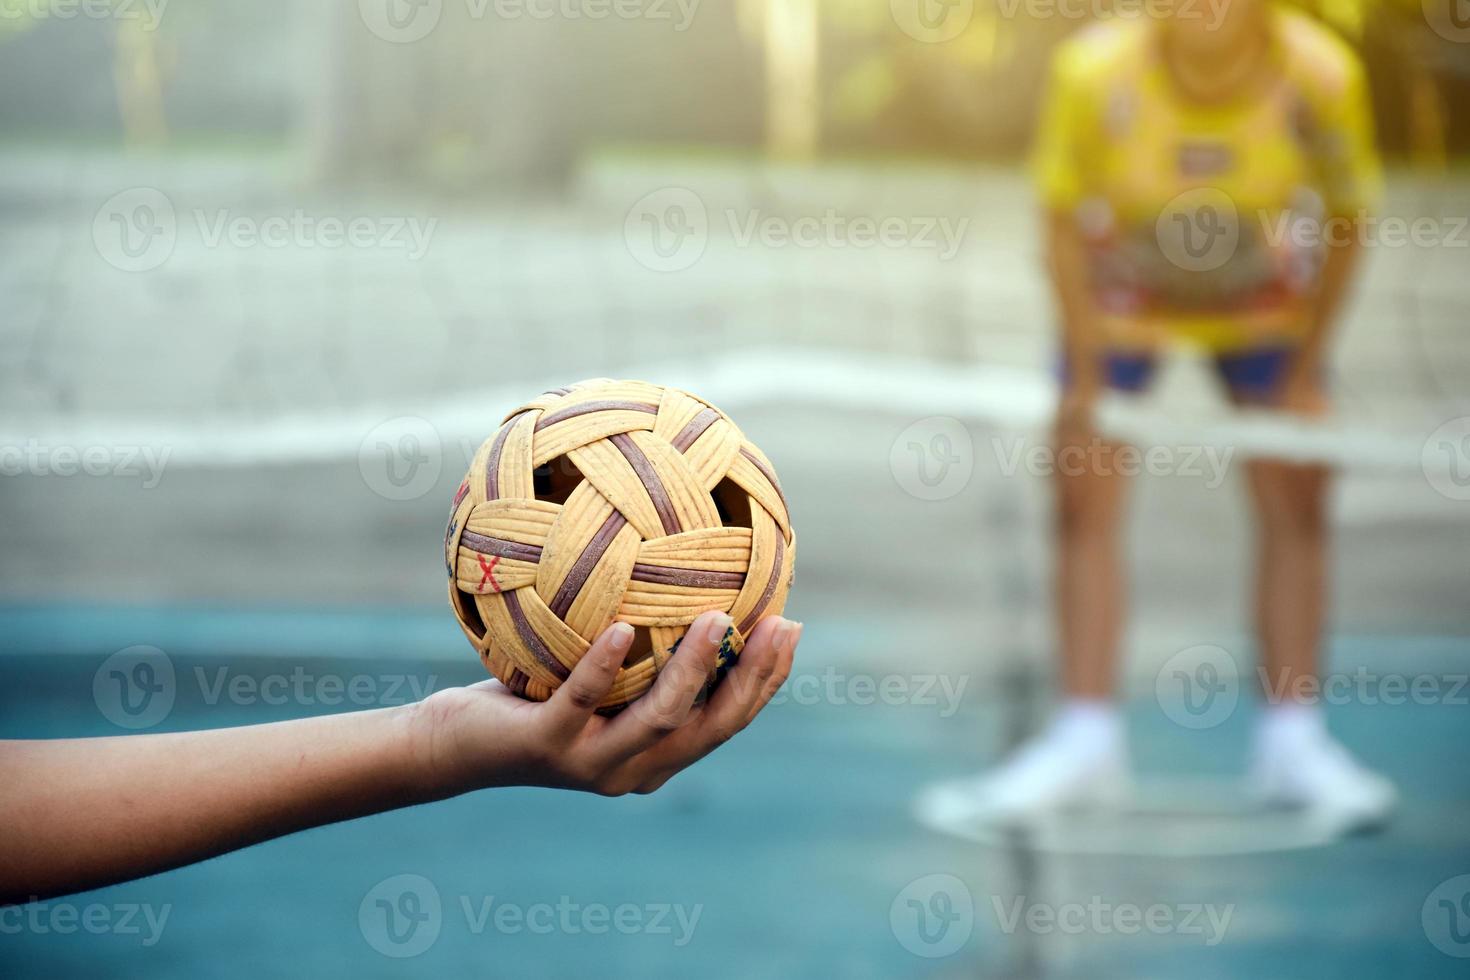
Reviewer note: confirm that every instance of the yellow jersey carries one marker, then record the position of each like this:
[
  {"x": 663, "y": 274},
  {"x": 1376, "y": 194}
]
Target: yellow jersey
[{"x": 1193, "y": 214}]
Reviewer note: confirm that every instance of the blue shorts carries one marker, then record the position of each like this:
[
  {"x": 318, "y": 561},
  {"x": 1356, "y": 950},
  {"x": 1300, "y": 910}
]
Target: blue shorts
[{"x": 1252, "y": 374}]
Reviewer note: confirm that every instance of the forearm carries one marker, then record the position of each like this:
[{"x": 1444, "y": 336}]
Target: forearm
[
  {"x": 80, "y": 813},
  {"x": 1067, "y": 262},
  {"x": 1337, "y": 274}
]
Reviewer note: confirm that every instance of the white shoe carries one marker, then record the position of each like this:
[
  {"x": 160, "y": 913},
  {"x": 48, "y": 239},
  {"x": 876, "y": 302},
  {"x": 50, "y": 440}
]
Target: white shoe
[
  {"x": 1070, "y": 766},
  {"x": 1317, "y": 775}
]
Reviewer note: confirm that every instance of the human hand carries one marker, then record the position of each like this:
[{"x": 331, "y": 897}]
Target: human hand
[
  {"x": 1303, "y": 394},
  {"x": 1074, "y": 421},
  {"x": 483, "y": 735}
]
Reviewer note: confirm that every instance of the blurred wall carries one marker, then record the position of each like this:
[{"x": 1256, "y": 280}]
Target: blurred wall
[
  {"x": 224, "y": 67},
  {"x": 520, "y": 98}
]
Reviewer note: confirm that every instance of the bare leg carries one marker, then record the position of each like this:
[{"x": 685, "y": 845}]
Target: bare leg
[
  {"x": 1090, "y": 588},
  {"x": 1080, "y": 758},
  {"x": 1291, "y": 572},
  {"x": 1296, "y": 761}
]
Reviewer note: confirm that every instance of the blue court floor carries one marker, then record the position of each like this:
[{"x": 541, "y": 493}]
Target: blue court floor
[{"x": 790, "y": 853}]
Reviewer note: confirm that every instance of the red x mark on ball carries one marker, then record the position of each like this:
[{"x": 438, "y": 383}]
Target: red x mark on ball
[{"x": 488, "y": 568}]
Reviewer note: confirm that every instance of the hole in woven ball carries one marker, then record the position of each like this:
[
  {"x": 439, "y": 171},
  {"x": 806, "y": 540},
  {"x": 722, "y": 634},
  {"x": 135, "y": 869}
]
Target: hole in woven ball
[
  {"x": 469, "y": 613},
  {"x": 555, "y": 479},
  {"x": 642, "y": 647},
  {"x": 733, "y": 503}
]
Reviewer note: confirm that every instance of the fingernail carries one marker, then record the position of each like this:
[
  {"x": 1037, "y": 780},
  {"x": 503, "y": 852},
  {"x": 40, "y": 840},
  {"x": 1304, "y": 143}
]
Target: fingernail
[
  {"x": 620, "y": 636},
  {"x": 786, "y": 636},
  {"x": 717, "y": 628}
]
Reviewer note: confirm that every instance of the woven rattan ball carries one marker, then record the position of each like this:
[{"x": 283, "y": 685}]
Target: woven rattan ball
[{"x": 613, "y": 500}]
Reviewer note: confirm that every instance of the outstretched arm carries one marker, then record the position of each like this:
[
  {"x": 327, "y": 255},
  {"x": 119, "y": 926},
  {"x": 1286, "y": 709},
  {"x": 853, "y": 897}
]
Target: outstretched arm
[{"x": 81, "y": 813}]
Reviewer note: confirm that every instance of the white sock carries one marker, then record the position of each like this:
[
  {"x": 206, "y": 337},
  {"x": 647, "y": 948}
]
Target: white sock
[
  {"x": 1087, "y": 726},
  {"x": 1289, "y": 729},
  {"x": 1299, "y": 764}
]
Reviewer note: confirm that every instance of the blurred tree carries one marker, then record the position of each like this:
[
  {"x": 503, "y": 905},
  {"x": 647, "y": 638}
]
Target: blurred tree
[
  {"x": 790, "y": 30},
  {"x": 1399, "y": 26},
  {"x": 492, "y": 99},
  {"x": 137, "y": 65},
  {"x": 138, "y": 74},
  {"x": 18, "y": 21},
  {"x": 971, "y": 84},
  {"x": 964, "y": 82}
]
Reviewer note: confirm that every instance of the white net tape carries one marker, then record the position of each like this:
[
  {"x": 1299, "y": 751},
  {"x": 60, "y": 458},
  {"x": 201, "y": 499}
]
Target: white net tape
[{"x": 996, "y": 395}]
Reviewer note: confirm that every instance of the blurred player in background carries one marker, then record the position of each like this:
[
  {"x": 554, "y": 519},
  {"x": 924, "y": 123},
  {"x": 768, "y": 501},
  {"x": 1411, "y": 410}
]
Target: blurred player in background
[{"x": 1180, "y": 160}]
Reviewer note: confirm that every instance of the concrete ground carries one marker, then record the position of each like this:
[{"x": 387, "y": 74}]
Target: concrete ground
[{"x": 790, "y": 853}]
